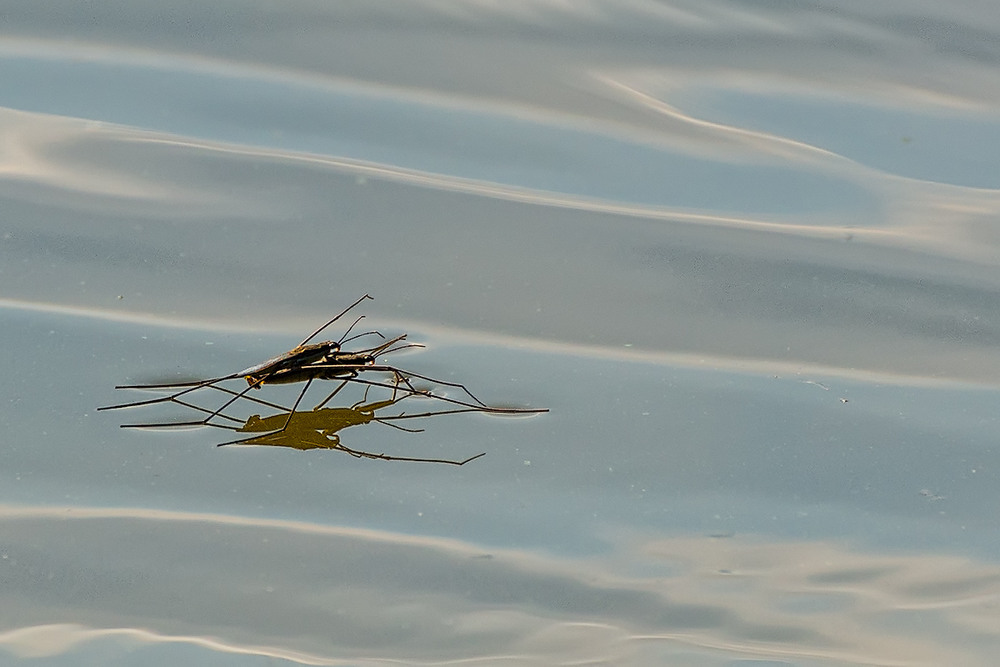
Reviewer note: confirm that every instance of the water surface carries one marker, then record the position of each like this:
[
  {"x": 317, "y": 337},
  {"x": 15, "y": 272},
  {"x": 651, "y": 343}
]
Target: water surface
[{"x": 746, "y": 254}]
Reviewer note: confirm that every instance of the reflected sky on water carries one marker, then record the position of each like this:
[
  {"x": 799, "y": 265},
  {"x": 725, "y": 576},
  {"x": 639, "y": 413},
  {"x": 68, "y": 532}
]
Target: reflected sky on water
[{"x": 746, "y": 254}]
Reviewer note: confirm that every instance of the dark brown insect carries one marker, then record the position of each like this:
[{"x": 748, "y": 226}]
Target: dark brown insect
[{"x": 316, "y": 361}]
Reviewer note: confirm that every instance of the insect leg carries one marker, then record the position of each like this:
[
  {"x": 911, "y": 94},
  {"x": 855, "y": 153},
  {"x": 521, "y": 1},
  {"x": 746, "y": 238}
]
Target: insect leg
[
  {"x": 190, "y": 386},
  {"x": 420, "y": 392},
  {"x": 294, "y": 407},
  {"x": 385, "y": 457},
  {"x": 252, "y": 399},
  {"x": 332, "y": 394},
  {"x": 206, "y": 421},
  {"x": 288, "y": 420},
  {"x": 193, "y": 407},
  {"x": 406, "y": 375}
]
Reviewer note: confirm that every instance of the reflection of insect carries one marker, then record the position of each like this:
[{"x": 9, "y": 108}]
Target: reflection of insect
[
  {"x": 305, "y": 363},
  {"x": 318, "y": 429}
]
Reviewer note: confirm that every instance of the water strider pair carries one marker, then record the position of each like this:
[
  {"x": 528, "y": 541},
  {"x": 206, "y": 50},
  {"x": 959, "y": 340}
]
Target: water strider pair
[{"x": 317, "y": 427}]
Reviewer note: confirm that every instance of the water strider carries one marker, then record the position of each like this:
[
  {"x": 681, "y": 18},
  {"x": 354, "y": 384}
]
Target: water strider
[
  {"x": 255, "y": 375},
  {"x": 317, "y": 361}
]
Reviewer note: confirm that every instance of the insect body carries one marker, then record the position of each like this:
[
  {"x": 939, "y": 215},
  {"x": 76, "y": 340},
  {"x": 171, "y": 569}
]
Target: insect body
[{"x": 302, "y": 355}]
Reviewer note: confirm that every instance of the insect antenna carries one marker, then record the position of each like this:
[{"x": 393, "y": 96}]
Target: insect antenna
[
  {"x": 345, "y": 339},
  {"x": 361, "y": 335},
  {"x": 382, "y": 348},
  {"x": 401, "y": 347},
  {"x": 342, "y": 313}
]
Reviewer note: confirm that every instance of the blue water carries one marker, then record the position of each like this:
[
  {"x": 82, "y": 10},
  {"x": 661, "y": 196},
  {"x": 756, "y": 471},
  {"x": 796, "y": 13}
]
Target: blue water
[{"x": 745, "y": 253}]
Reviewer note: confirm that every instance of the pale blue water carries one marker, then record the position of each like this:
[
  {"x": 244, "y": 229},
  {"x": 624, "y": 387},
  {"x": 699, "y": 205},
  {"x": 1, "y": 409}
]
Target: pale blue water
[{"x": 746, "y": 253}]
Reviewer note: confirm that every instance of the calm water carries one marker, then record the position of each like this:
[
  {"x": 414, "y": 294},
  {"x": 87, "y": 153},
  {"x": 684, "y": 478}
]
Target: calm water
[{"x": 747, "y": 253}]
